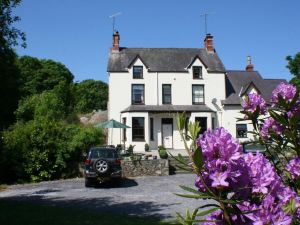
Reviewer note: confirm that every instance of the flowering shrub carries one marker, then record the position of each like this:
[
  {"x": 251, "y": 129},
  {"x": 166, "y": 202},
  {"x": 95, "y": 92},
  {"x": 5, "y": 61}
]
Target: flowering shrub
[
  {"x": 254, "y": 101},
  {"x": 249, "y": 188}
]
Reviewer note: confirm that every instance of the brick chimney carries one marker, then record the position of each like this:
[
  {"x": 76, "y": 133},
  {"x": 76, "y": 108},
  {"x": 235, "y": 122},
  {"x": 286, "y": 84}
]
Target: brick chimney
[
  {"x": 116, "y": 41},
  {"x": 208, "y": 43},
  {"x": 249, "y": 66}
]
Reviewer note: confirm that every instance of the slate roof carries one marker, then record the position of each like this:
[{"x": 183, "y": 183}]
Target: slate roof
[
  {"x": 163, "y": 59},
  {"x": 168, "y": 108},
  {"x": 238, "y": 81}
]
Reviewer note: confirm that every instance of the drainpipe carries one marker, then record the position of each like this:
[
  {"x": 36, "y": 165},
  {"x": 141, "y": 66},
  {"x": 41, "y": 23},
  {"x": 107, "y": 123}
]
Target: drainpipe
[{"x": 157, "y": 97}]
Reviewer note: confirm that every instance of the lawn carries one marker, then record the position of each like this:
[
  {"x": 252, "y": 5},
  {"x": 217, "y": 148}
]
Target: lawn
[{"x": 13, "y": 213}]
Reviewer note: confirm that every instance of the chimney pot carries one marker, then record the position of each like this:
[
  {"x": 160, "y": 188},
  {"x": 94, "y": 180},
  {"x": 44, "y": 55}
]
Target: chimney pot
[
  {"x": 250, "y": 66},
  {"x": 208, "y": 43},
  {"x": 116, "y": 41}
]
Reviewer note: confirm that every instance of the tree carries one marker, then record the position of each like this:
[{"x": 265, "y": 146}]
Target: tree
[
  {"x": 9, "y": 94},
  {"x": 9, "y": 35},
  {"x": 56, "y": 104},
  {"x": 38, "y": 75},
  {"x": 45, "y": 149},
  {"x": 294, "y": 67},
  {"x": 90, "y": 95},
  {"x": 9, "y": 73}
]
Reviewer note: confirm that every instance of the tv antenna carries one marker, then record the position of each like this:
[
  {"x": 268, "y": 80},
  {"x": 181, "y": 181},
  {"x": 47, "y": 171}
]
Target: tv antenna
[
  {"x": 113, "y": 17},
  {"x": 205, "y": 19}
]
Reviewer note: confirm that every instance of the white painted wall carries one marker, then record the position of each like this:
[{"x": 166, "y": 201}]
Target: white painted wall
[
  {"x": 120, "y": 98},
  {"x": 230, "y": 116}
]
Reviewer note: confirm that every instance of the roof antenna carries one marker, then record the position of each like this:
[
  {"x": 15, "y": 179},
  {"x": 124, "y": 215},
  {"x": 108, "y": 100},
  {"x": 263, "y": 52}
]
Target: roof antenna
[
  {"x": 205, "y": 19},
  {"x": 114, "y": 18}
]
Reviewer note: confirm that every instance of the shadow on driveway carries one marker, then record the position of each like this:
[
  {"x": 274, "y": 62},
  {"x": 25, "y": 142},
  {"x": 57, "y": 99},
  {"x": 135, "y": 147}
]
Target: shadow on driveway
[{"x": 108, "y": 204}]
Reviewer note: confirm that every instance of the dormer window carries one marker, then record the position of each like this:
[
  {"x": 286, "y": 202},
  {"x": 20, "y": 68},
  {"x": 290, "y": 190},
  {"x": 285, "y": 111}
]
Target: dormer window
[
  {"x": 197, "y": 72},
  {"x": 137, "y": 72}
]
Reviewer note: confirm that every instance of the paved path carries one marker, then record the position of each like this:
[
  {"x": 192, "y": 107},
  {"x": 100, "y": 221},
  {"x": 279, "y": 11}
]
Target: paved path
[{"x": 144, "y": 196}]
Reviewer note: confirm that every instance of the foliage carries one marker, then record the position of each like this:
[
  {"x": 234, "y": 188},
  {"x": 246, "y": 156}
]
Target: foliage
[
  {"x": 44, "y": 149},
  {"x": 147, "y": 147},
  {"x": 130, "y": 150},
  {"x": 54, "y": 104},
  {"x": 9, "y": 35},
  {"x": 38, "y": 75},
  {"x": 162, "y": 152},
  {"x": 248, "y": 188},
  {"x": 294, "y": 67},
  {"x": 90, "y": 95},
  {"x": 9, "y": 94}
]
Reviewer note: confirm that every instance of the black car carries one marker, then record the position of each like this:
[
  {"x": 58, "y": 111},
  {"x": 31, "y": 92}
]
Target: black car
[{"x": 102, "y": 164}]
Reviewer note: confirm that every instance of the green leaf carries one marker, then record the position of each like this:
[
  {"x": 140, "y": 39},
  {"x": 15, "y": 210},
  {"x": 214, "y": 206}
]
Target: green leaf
[
  {"x": 208, "y": 211},
  {"x": 180, "y": 218},
  {"x": 208, "y": 205},
  {"x": 192, "y": 190},
  {"x": 180, "y": 121},
  {"x": 198, "y": 158},
  {"x": 195, "y": 213},
  {"x": 194, "y": 129},
  {"x": 187, "y": 214},
  {"x": 279, "y": 118},
  {"x": 193, "y": 196}
]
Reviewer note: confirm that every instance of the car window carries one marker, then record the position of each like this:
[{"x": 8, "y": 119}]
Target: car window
[
  {"x": 253, "y": 147},
  {"x": 101, "y": 153}
]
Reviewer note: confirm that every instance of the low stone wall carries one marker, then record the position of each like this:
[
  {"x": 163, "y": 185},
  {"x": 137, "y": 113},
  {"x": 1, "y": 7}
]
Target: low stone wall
[{"x": 155, "y": 167}]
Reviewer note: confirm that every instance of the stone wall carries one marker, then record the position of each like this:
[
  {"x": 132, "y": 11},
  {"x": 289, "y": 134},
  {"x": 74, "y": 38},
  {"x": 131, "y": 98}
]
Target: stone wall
[{"x": 155, "y": 167}]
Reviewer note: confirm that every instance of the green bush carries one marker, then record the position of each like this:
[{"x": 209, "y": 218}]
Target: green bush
[
  {"x": 162, "y": 152},
  {"x": 44, "y": 149},
  {"x": 147, "y": 147}
]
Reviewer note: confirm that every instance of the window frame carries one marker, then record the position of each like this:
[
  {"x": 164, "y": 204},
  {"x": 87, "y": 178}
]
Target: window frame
[
  {"x": 200, "y": 75},
  {"x": 164, "y": 94},
  {"x": 198, "y": 103},
  {"x": 141, "y": 74},
  {"x": 143, "y": 95},
  {"x": 135, "y": 137},
  {"x": 237, "y": 131}
]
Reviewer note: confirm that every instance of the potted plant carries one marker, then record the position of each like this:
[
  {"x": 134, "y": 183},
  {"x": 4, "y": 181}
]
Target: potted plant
[
  {"x": 147, "y": 147},
  {"x": 162, "y": 152}
]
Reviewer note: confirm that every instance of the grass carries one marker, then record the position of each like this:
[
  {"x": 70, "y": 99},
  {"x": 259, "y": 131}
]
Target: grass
[{"x": 15, "y": 213}]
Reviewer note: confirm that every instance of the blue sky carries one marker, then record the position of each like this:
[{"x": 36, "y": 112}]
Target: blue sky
[{"x": 78, "y": 33}]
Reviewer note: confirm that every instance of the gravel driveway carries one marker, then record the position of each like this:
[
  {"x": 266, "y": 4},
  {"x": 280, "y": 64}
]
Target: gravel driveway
[{"x": 143, "y": 196}]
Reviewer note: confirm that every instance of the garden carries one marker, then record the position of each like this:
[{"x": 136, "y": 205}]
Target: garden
[{"x": 249, "y": 188}]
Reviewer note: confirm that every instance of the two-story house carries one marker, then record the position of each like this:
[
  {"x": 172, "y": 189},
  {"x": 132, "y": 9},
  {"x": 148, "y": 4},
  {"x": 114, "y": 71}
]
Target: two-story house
[{"x": 148, "y": 86}]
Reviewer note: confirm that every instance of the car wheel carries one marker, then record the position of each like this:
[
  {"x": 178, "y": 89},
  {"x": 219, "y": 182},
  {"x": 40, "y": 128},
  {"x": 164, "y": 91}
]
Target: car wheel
[
  {"x": 88, "y": 182},
  {"x": 101, "y": 166}
]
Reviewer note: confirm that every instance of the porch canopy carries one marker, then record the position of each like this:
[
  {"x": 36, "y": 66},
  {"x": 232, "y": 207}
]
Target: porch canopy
[{"x": 167, "y": 108}]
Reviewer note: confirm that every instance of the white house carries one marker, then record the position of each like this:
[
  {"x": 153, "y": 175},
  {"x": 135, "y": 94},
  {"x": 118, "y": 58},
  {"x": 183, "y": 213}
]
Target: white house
[{"x": 148, "y": 86}]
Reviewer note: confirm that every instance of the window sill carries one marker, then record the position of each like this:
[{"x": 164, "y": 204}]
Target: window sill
[
  {"x": 137, "y": 103},
  {"x": 203, "y": 103},
  {"x": 138, "y": 78}
]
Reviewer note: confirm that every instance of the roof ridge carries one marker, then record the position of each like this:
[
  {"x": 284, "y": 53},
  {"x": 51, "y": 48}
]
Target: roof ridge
[
  {"x": 255, "y": 71},
  {"x": 159, "y": 48}
]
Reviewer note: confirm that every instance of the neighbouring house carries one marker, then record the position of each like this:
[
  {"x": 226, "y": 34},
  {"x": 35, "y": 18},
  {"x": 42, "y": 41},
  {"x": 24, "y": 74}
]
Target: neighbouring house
[{"x": 149, "y": 86}]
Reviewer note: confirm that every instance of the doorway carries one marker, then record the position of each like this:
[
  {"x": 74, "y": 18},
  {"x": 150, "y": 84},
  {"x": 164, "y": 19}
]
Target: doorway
[
  {"x": 167, "y": 132},
  {"x": 203, "y": 124}
]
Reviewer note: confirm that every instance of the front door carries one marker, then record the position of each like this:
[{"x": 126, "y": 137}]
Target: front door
[
  {"x": 203, "y": 124},
  {"x": 167, "y": 135}
]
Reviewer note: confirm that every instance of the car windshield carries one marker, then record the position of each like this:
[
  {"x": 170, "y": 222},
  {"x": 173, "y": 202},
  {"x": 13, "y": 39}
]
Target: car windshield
[
  {"x": 102, "y": 153},
  {"x": 253, "y": 147}
]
